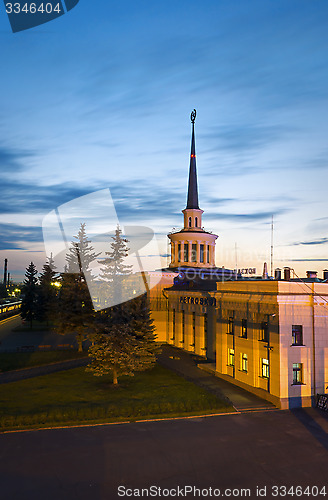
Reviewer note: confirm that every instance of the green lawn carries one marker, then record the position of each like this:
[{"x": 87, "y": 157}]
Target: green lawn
[
  {"x": 75, "y": 396},
  {"x": 15, "y": 361}
]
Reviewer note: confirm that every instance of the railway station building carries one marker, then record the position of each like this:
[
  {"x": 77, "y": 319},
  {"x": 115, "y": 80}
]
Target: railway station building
[{"x": 267, "y": 335}]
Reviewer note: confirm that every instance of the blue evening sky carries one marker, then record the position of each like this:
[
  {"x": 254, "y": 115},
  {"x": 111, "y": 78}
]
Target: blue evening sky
[{"x": 101, "y": 98}]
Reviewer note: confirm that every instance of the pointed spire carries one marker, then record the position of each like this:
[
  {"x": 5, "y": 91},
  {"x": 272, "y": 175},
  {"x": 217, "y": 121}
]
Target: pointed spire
[{"x": 192, "y": 200}]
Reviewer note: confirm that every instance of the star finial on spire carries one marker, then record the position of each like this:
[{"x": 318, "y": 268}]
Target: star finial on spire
[{"x": 193, "y": 116}]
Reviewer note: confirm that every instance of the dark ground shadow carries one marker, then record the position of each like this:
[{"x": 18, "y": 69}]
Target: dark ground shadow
[{"x": 312, "y": 425}]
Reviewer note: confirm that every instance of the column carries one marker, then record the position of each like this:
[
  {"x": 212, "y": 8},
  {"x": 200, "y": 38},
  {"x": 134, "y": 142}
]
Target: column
[
  {"x": 175, "y": 251},
  {"x": 172, "y": 252},
  {"x": 182, "y": 252},
  {"x": 212, "y": 258}
]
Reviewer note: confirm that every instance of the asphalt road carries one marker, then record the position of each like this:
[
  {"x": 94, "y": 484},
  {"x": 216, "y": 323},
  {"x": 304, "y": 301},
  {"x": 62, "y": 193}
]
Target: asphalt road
[
  {"x": 237, "y": 451},
  {"x": 11, "y": 340}
]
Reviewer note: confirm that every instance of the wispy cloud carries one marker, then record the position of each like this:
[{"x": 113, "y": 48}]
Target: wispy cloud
[
  {"x": 254, "y": 216},
  {"x": 245, "y": 137},
  {"x": 319, "y": 241},
  {"x": 13, "y": 236},
  {"x": 308, "y": 260},
  {"x": 22, "y": 196},
  {"x": 12, "y": 159}
]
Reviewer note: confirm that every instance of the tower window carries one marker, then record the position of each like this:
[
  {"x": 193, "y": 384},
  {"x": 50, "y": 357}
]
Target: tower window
[
  {"x": 208, "y": 254},
  {"x": 189, "y": 222},
  {"x": 201, "y": 253},
  {"x": 196, "y": 221},
  {"x": 179, "y": 252},
  {"x": 194, "y": 252},
  {"x": 186, "y": 251}
]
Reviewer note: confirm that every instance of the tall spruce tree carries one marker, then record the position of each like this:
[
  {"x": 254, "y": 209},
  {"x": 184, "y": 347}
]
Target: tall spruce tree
[
  {"x": 81, "y": 254},
  {"x": 125, "y": 340},
  {"x": 75, "y": 309},
  {"x": 47, "y": 292},
  {"x": 29, "y": 305},
  {"x": 114, "y": 272}
]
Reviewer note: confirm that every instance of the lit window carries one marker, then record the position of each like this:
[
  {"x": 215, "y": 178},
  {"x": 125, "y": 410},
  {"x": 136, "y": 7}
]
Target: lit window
[
  {"x": 264, "y": 332},
  {"x": 297, "y": 373},
  {"x": 231, "y": 357},
  {"x": 297, "y": 334},
  {"x": 230, "y": 326},
  {"x": 265, "y": 368},
  {"x": 244, "y": 328},
  {"x": 243, "y": 362}
]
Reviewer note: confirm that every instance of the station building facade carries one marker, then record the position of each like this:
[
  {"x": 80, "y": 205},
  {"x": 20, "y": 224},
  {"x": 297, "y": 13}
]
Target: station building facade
[{"x": 268, "y": 336}]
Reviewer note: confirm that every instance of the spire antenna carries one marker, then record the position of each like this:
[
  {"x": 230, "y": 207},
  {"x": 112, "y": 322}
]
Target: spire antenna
[{"x": 192, "y": 198}]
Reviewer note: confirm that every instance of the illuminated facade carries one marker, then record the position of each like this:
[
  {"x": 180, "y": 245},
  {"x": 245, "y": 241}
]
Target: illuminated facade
[{"x": 269, "y": 336}]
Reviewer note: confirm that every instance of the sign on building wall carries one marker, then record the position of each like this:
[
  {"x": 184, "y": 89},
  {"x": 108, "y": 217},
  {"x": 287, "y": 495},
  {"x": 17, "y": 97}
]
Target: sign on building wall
[{"x": 202, "y": 301}]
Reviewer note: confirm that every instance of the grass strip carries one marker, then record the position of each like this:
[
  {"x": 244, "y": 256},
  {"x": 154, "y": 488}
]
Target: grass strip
[{"x": 76, "y": 397}]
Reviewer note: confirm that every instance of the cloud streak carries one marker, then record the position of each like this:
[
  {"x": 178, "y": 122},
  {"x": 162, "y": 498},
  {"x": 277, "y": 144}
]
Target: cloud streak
[
  {"x": 319, "y": 241},
  {"x": 12, "y": 159}
]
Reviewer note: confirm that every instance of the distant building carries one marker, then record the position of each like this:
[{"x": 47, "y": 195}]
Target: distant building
[{"x": 269, "y": 336}]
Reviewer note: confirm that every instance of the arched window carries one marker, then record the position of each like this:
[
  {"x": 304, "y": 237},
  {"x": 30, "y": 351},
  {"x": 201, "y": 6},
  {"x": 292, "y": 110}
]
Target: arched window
[
  {"x": 189, "y": 221},
  {"x": 196, "y": 221}
]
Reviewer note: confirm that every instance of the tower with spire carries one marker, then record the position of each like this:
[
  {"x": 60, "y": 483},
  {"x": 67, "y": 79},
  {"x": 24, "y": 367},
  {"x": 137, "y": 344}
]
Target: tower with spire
[{"x": 192, "y": 246}]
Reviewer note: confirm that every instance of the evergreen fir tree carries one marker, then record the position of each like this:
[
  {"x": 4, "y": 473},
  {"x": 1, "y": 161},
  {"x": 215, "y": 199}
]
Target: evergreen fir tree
[
  {"x": 81, "y": 254},
  {"x": 123, "y": 348},
  {"x": 114, "y": 271},
  {"x": 30, "y": 290},
  {"x": 75, "y": 309},
  {"x": 47, "y": 292},
  {"x": 125, "y": 340}
]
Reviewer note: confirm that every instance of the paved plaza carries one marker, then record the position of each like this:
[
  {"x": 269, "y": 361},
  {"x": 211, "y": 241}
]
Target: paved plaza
[{"x": 235, "y": 451}]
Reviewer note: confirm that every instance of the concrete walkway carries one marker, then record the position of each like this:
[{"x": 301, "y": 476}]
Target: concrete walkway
[{"x": 184, "y": 364}]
